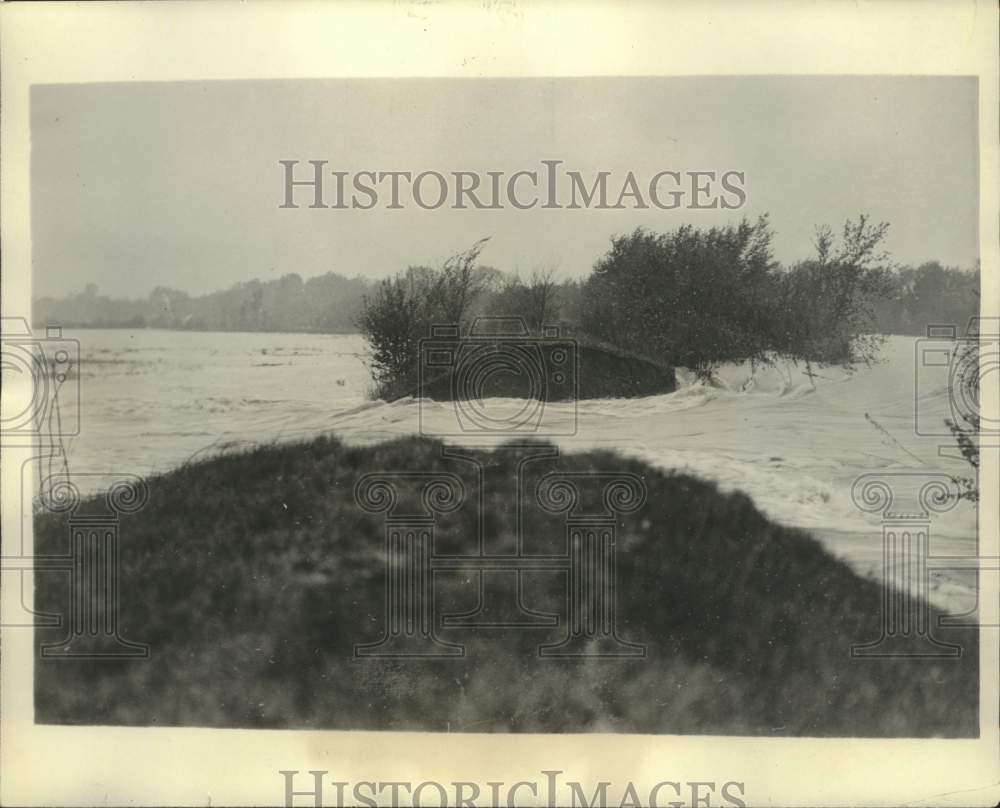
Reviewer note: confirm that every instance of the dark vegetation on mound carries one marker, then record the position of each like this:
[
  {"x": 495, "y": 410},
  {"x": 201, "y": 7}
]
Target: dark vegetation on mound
[
  {"x": 253, "y": 575},
  {"x": 693, "y": 297},
  {"x": 600, "y": 372}
]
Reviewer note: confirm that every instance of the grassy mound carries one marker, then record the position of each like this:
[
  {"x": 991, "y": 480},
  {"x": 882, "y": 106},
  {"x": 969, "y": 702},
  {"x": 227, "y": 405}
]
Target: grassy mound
[
  {"x": 602, "y": 372},
  {"x": 253, "y": 576}
]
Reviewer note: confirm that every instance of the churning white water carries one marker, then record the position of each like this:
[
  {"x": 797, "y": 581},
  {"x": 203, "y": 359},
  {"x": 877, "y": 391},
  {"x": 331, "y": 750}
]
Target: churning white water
[{"x": 151, "y": 400}]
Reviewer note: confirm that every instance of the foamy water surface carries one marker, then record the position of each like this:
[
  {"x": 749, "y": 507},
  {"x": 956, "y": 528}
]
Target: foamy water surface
[{"x": 151, "y": 400}]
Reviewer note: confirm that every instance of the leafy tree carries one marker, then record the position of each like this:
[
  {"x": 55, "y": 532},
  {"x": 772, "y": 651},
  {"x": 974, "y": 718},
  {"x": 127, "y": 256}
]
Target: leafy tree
[
  {"x": 698, "y": 297},
  {"x": 537, "y": 300},
  {"x": 826, "y": 310},
  {"x": 400, "y": 311},
  {"x": 392, "y": 322},
  {"x": 454, "y": 287}
]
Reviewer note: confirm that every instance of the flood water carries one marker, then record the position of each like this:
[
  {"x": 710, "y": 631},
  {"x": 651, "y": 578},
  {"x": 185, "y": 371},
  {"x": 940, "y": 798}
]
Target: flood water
[{"x": 151, "y": 400}]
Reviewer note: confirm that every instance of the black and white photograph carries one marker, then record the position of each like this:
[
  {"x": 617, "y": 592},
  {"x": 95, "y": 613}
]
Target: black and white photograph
[{"x": 499, "y": 406}]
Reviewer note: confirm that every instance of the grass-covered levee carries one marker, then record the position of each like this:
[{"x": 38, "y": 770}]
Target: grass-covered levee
[{"x": 253, "y": 577}]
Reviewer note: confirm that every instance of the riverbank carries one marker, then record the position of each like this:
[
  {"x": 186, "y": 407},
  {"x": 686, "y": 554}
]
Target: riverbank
[
  {"x": 254, "y": 576},
  {"x": 153, "y": 400}
]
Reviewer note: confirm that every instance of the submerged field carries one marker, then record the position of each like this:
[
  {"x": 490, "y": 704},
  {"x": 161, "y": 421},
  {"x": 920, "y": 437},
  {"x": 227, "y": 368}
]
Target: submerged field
[
  {"x": 253, "y": 576},
  {"x": 152, "y": 400}
]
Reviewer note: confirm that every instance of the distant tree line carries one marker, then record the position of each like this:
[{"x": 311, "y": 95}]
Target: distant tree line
[
  {"x": 691, "y": 296},
  {"x": 930, "y": 294},
  {"x": 327, "y": 304}
]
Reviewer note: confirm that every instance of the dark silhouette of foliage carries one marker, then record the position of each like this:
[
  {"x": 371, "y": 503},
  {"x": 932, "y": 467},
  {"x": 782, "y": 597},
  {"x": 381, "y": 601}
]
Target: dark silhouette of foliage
[
  {"x": 826, "y": 305},
  {"x": 965, "y": 429},
  {"x": 402, "y": 309},
  {"x": 252, "y": 576}
]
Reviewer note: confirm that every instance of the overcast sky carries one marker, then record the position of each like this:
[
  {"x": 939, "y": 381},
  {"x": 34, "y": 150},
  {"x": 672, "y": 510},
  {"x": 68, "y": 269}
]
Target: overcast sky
[{"x": 178, "y": 184}]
